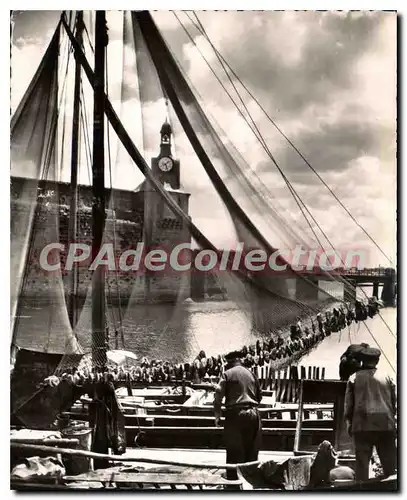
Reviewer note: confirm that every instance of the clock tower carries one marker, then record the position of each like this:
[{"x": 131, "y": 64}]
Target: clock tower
[
  {"x": 162, "y": 229},
  {"x": 164, "y": 166}
]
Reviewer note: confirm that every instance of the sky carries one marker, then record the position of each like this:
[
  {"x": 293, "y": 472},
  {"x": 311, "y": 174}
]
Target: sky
[{"x": 328, "y": 79}]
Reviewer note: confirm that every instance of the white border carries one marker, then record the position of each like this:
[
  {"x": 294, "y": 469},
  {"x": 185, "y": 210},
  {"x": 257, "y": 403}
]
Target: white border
[{"x": 120, "y": 5}]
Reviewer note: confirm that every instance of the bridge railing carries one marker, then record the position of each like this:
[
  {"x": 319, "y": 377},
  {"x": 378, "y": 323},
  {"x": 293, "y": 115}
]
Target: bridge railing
[{"x": 377, "y": 271}]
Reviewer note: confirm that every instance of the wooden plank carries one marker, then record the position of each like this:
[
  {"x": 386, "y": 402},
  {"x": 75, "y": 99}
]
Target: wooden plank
[
  {"x": 47, "y": 442},
  {"x": 266, "y": 377},
  {"x": 288, "y": 390},
  {"x": 272, "y": 380},
  {"x": 324, "y": 391},
  {"x": 289, "y": 431},
  {"x": 297, "y": 392},
  {"x": 167, "y": 478},
  {"x": 285, "y": 384},
  {"x": 200, "y": 423},
  {"x": 116, "y": 458},
  {"x": 206, "y": 411},
  {"x": 24, "y": 485},
  {"x": 280, "y": 388},
  {"x": 281, "y": 384},
  {"x": 299, "y": 421},
  {"x": 293, "y": 385}
]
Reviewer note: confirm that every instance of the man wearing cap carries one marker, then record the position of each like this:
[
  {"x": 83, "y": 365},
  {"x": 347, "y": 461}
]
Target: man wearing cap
[
  {"x": 370, "y": 409},
  {"x": 242, "y": 393}
]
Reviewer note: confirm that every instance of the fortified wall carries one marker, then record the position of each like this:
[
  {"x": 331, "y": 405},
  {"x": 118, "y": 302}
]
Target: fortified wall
[
  {"x": 128, "y": 217},
  {"x": 133, "y": 217}
]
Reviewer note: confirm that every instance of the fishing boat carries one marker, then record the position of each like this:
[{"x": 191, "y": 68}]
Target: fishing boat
[{"x": 49, "y": 211}]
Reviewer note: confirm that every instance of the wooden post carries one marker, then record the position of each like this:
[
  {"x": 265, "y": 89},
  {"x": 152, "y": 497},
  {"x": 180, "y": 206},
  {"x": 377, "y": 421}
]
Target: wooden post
[
  {"x": 98, "y": 207},
  {"x": 128, "y": 385},
  {"x": 299, "y": 420},
  {"x": 267, "y": 382},
  {"x": 73, "y": 218}
]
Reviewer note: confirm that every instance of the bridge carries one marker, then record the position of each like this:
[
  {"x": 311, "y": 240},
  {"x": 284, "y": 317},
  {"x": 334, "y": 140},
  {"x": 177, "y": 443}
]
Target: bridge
[
  {"x": 206, "y": 284},
  {"x": 370, "y": 277}
]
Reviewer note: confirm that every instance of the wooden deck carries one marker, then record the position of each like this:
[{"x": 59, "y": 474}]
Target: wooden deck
[
  {"x": 141, "y": 475},
  {"x": 202, "y": 456}
]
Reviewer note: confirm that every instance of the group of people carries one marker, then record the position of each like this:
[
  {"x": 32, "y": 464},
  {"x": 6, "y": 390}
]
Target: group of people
[
  {"x": 370, "y": 400},
  {"x": 370, "y": 413}
]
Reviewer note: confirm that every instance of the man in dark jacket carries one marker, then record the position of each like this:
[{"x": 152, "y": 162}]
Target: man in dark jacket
[
  {"x": 370, "y": 410},
  {"x": 242, "y": 393}
]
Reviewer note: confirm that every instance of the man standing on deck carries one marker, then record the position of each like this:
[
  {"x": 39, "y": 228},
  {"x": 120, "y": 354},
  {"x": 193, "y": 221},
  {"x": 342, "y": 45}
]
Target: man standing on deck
[
  {"x": 370, "y": 409},
  {"x": 242, "y": 393}
]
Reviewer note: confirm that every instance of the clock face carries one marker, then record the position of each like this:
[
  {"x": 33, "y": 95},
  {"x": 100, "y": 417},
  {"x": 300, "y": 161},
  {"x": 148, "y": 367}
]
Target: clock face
[{"x": 165, "y": 164}]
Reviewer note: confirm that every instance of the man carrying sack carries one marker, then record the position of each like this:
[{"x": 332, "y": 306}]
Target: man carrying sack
[{"x": 370, "y": 409}]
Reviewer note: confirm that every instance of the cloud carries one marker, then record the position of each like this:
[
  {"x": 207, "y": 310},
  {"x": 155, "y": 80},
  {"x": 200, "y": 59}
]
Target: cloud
[{"x": 327, "y": 78}]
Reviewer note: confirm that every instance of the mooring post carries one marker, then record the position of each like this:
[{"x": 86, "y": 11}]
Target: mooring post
[{"x": 389, "y": 288}]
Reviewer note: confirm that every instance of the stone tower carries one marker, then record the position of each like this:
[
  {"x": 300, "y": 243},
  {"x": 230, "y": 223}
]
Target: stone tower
[{"x": 163, "y": 230}]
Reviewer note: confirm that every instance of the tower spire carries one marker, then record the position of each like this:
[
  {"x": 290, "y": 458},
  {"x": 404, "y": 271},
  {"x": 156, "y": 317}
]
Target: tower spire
[{"x": 167, "y": 111}]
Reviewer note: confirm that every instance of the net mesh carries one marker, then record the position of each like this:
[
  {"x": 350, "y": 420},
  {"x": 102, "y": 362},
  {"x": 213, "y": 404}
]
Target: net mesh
[
  {"x": 35, "y": 199},
  {"x": 267, "y": 296},
  {"x": 269, "y": 302}
]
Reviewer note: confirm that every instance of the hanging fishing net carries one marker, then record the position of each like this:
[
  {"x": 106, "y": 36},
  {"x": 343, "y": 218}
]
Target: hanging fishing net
[
  {"x": 154, "y": 90},
  {"x": 36, "y": 200},
  {"x": 271, "y": 301},
  {"x": 36, "y": 204},
  {"x": 268, "y": 296}
]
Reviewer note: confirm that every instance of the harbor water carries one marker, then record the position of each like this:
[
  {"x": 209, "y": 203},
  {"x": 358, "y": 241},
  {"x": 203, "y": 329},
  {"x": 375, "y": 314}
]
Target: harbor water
[{"x": 178, "y": 333}]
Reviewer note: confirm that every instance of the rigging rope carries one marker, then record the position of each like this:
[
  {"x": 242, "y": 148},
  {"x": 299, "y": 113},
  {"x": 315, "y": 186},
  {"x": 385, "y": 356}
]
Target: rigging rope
[
  {"x": 84, "y": 132},
  {"x": 224, "y": 63},
  {"x": 113, "y": 208},
  {"x": 290, "y": 142},
  {"x": 85, "y": 126},
  {"x": 49, "y": 148},
  {"x": 144, "y": 168},
  {"x": 264, "y": 144},
  {"x": 169, "y": 72},
  {"x": 381, "y": 350},
  {"x": 254, "y": 128},
  {"x": 68, "y": 50}
]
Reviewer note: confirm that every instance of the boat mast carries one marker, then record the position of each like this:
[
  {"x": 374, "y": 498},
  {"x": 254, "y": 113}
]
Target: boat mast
[
  {"x": 73, "y": 219},
  {"x": 98, "y": 208}
]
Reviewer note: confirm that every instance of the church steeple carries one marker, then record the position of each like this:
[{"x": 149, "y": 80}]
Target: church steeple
[
  {"x": 165, "y": 144},
  {"x": 165, "y": 166}
]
